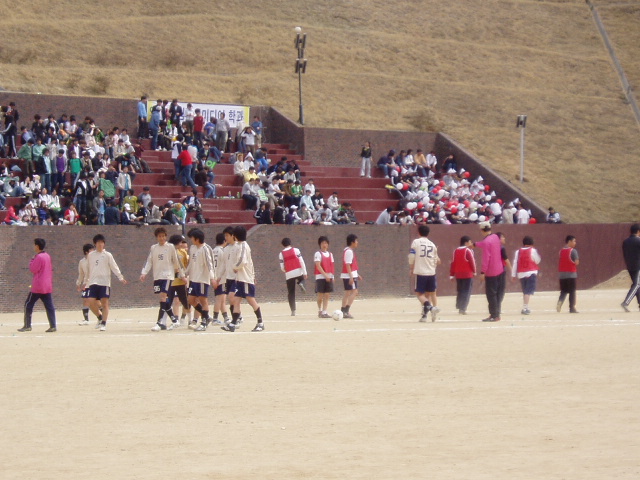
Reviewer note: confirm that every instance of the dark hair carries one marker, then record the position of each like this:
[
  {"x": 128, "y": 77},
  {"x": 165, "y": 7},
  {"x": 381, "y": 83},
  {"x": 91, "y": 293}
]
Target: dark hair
[
  {"x": 196, "y": 234},
  {"x": 464, "y": 239},
  {"x": 424, "y": 230},
  {"x": 228, "y": 230},
  {"x": 635, "y": 228},
  {"x": 569, "y": 238},
  {"x": 527, "y": 241},
  {"x": 323, "y": 239},
  {"x": 240, "y": 233},
  {"x": 87, "y": 247},
  {"x": 159, "y": 230},
  {"x": 176, "y": 239},
  {"x": 286, "y": 242},
  {"x": 98, "y": 238},
  {"x": 40, "y": 242},
  {"x": 351, "y": 238},
  {"x": 219, "y": 238},
  {"x": 500, "y": 235}
]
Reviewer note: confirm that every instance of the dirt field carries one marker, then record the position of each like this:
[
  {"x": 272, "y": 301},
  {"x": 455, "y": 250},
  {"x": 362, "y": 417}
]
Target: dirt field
[{"x": 549, "y": 396}]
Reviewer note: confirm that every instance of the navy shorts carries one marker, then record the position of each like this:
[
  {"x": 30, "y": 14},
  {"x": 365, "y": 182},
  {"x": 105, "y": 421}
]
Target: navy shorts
[
  {"x": 161, "y": 286},
  {"x": 323, "y": 286},
  {"x": 425, "y": 283},
  {"x": 221, "y": 289},
  {"x": 85, "y": 293},
  {"x": 244, "y": 290},
  {"x": 99, "y": 291},
  {"x": 198, "y": 289},
  {"x": 230, "y": 286},
  {"x": 348, "y": 286},
  {"x": 529, "y": 284}
]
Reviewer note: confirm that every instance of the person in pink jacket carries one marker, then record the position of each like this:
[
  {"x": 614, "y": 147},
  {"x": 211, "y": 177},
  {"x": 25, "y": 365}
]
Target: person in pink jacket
[{"x": 41, "y": 286}]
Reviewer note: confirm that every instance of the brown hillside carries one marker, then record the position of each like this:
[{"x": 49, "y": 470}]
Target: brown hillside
[{"x": 466, "y": 68}]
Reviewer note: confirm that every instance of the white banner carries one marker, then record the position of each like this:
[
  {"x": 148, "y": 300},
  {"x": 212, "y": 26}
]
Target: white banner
[{"x": 233, "y": 113}]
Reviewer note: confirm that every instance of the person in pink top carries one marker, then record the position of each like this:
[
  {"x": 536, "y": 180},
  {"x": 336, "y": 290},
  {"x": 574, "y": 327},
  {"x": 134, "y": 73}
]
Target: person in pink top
[
  {"x": 41, "y": 286},
  {"x": 492, "y": 269}
]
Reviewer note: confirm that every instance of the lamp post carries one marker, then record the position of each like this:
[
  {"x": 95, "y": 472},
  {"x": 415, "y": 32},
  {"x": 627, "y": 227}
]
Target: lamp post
[
  {"x": 521, "y": 123},
  {"x": 301, "y": 65}
]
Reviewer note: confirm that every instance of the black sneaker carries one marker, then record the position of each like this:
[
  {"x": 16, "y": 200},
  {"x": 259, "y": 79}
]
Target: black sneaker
[
  {"x": 24, "y": 329},
  {"x": 259, "y": 327},
  {"x": 50, "y": 330},
  {"x": 231, "y": 327}
]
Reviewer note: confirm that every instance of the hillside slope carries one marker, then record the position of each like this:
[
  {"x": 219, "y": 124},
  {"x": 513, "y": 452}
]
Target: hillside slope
[{"x": 464, "y": 67}]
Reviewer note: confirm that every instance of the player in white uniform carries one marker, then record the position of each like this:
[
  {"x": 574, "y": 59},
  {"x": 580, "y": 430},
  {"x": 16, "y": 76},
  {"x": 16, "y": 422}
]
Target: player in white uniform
[
  {"x": 245, "y": 282},
  {"x": 83, "y": 278},
  {"x": 201, "y": 274},
  {"x": 228, "y": 276},
  {"x": 423, "y": 260},
  {"x": 164, "y": 261},
  {"x": 219, "y": 259},
  {"x": 100, "y": 266}
]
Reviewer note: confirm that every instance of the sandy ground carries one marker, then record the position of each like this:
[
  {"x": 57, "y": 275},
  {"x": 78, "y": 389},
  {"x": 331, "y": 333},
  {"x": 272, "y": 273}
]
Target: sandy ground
[{"x": 548, "y": 396}]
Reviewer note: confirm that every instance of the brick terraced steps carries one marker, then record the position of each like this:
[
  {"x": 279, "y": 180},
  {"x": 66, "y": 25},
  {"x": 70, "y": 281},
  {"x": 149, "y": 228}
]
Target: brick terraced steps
[{"x": 367, "y": 195}]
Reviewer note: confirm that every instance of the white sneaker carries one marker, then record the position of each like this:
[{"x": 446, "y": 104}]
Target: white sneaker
[
  {"x": 434, "y": 313},
  {"x": 155, "y": 328},
  {"x": 84, "y": 322},
  {"x": 103, "y": 328},
  {"x": 98, "y": 325},
  {"x": 200, "y": 328},
  {"x": 193, "y": 325},
  {"x": 173, "y": 326}
]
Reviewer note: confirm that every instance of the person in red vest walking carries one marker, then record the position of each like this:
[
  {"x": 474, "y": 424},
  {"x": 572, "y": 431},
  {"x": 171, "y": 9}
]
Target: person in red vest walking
[
  {"x": 568, "y": 273},
  {"x": 349, "y": 275},
  {"x": 463, "y": 269},
  {"x": 324, "y": 272},
  {"x": 295, "y": 271},
  {"x": 525, "y": 268},
  {"x": 41, "y": 286}
]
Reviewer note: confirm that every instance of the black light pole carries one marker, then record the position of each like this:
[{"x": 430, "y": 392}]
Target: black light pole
[{"x": 301, "y": 65}]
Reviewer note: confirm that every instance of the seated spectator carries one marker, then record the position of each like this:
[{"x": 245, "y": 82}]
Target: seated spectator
[
  {"x": 70, "y": 215},
  {"x": 250, "y": 174},
  {"x": 292, "y": 217},
  {"x": 333, "y": 202},
  {"x": 250, "y": 195},
  {"x": 111, "y": 213},
  {"x": 385, "y": 162},
  {"x": 192, "y": 202},
  {"x": 279, "y": 213},
  {"x": 553, "y": 216},
  {"x": 261, "y": 161},
  {"x": 385, "y": 217},
  {"x": 10, "y": 217},
  {"x": 263, "y": 215},
  {"x": 305, "y": 200}
]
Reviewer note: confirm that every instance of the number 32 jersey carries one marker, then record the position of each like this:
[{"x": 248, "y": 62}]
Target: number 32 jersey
[{"x": 423, "y": 255}]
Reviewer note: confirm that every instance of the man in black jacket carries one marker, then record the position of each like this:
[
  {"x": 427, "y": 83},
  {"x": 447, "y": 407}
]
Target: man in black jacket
[{"x": 631, "y": 253}]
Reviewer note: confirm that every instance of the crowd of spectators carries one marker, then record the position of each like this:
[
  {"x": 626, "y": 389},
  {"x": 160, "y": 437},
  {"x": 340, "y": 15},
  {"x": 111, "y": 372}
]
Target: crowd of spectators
[{"x": 430, "y": 192}]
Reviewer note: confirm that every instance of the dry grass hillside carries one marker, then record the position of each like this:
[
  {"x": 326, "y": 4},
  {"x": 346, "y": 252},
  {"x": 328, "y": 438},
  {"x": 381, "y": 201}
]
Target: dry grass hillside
[{"x": 464, "y": 67}]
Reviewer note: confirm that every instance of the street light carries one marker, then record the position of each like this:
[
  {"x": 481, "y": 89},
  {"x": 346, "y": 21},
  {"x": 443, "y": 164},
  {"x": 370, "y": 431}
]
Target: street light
[
  {"x": 301, "y": 65},
  {"x": 521, "y": 123}
]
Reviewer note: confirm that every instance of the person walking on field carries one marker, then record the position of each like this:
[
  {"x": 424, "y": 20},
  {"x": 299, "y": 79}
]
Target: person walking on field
[
  {"x": 101, "y": 264},
  {"x": 631, "y": 253},
  {"x": 292, "y": 264},
  {"x": 525, "y": 267},
  {"x": 491, "y": 270},
  {"x": 423, "y": 260},
  {"x": 567, "y": 271},
  {"x": 463, "y": 269},
  {"x": 41, "y": 286}
]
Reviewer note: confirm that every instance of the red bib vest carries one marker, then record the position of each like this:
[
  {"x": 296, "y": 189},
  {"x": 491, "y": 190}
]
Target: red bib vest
[
  {"x": 291, "y": 260},
  {"x": 326, "y": 262},
  {"x": 525, "y": 262},
  {"x": 565, "y": 264},
  {"x": 354, "y": 264}
]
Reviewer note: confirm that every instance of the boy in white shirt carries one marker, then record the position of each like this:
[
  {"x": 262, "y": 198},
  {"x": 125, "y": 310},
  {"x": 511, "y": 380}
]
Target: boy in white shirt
[{"x": 201, "y": 274}]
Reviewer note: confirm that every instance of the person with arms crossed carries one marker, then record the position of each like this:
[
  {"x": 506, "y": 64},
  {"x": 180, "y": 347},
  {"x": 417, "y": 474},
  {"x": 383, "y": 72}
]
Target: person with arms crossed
[
  {"x": 41, "y": 286},
  {"x": 201, "y": 274},
  {"x": 463, "y": 269},
  {"x": 349, "y": 275},
  {"x": 631, "y": 254},
  {"x": 101, "y": 264},
  {"x": 324, "y": 272},
  {"x": 423, "y": 260},
  {"x": 292, "y": 264},
  {"x": 525, "y": 268},
  {"x": 491, "y": 270},
  {"x": 245, "y": 282},
  {"x": 568, "y": 273},
  {"x": 163, "y": 259}
]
